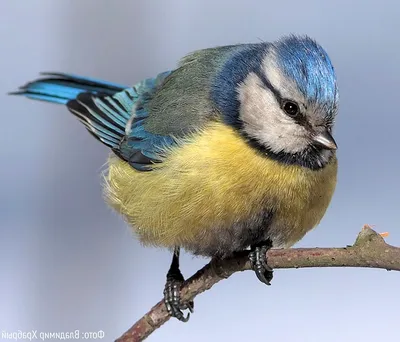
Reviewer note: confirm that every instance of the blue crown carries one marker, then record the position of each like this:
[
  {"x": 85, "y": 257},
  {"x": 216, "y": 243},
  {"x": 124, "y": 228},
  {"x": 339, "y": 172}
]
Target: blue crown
[{"x": 306, "y": 62}]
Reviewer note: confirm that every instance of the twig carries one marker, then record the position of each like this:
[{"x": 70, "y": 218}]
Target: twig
[{"x": 369, "y": 250}]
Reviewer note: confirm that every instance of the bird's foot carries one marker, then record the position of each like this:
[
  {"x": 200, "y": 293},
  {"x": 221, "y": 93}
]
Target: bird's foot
[
  {"x": 172, "y": 296},
  {"x": 172, "y": 300},
  {"x": 258, "y": 260}
]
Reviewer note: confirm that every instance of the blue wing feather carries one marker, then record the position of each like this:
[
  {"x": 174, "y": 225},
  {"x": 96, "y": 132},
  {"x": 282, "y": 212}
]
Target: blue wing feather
[
  {"x": 122, "y": 116},
  {"x": 112, "y": 113},
  {"x": 106, "y": 109}
]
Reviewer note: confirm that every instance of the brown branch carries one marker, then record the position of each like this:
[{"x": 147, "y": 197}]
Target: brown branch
[{"x": 369, "y": 250}]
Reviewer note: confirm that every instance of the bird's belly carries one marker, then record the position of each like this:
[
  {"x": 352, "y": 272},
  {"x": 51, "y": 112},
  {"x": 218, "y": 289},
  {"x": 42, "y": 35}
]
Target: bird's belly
[{"x": 216, "y": 195}]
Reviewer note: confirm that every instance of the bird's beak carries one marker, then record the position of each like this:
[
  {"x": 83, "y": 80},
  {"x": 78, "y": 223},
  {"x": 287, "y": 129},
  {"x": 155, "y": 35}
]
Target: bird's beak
[{"x": 325, "y": 140}]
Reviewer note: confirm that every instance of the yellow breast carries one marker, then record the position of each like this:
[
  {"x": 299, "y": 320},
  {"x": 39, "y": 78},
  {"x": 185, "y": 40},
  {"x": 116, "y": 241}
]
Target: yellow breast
[{"x": 212, "y": 181}]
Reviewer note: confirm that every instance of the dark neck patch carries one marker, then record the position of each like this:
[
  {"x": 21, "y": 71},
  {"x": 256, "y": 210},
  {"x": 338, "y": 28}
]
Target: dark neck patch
[{"x": 310, "y": 158}]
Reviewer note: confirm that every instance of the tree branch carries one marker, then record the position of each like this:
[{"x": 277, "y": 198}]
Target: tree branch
[{"x": 369, "y": 250}]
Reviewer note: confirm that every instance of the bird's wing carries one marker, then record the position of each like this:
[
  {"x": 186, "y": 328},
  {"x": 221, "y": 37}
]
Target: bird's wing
[
  {"x": 117, "y": 121},
  {"x": 138, "y": 123},
  {"x": 183, "y": 103}
]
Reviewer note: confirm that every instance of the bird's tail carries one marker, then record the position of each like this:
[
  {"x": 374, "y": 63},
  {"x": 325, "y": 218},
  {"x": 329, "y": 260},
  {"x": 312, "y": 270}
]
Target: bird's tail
[
  {"x": 61, "y": 88},
  {"x": 103, "y": 107}
]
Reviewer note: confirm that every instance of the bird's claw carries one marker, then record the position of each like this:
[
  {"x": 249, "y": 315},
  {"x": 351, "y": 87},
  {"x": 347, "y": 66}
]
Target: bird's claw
[
  {"x": 172, "y": 300},
  {"x": 258, "y": 261}
]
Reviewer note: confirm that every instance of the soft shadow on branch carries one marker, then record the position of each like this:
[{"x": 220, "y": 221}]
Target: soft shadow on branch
[{"x": 369, "y": 250}]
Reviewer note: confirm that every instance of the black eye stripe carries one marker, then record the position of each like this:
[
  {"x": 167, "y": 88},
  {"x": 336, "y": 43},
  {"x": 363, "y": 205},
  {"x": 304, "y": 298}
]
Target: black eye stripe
[
  {"x": 267, "y": 84},
  {"x": 301, "y": 118}
]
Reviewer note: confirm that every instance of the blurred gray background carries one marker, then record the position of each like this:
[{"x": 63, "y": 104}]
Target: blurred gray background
[{"x": 68, "y": 262}]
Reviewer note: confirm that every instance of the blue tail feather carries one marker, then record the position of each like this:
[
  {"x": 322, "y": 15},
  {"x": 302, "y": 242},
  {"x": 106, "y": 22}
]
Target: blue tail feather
[
  {"x": 84, "y": 97},
  {"x": 85, "y": 80},
  {"x": 61, "y": 88}
]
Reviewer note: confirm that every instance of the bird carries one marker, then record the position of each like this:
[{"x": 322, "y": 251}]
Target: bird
[{"x": 230, "y": 150}]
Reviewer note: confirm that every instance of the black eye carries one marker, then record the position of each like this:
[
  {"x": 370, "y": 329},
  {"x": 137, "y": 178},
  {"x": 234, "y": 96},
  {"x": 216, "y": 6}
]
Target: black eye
[{"x": 291, "y": 108}]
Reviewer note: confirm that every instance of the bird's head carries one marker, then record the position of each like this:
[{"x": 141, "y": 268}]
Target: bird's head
[{"x": 287, "y": 100}]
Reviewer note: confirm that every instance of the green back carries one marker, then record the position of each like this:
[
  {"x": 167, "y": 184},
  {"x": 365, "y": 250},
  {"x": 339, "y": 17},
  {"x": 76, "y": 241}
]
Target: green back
[{"x": 182, "y": 104}]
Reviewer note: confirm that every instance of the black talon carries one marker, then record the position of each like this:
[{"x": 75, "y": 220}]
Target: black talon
[
  {"x": 172, "y": 298},
  {"x": 258, "y": 260}
]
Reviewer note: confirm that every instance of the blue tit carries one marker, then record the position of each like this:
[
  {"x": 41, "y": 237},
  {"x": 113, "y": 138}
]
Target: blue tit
[{"x": 231, "y": 150}]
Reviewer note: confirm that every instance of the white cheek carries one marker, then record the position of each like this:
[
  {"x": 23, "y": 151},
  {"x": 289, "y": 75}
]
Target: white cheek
[{"x": 265, "y": 121}]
